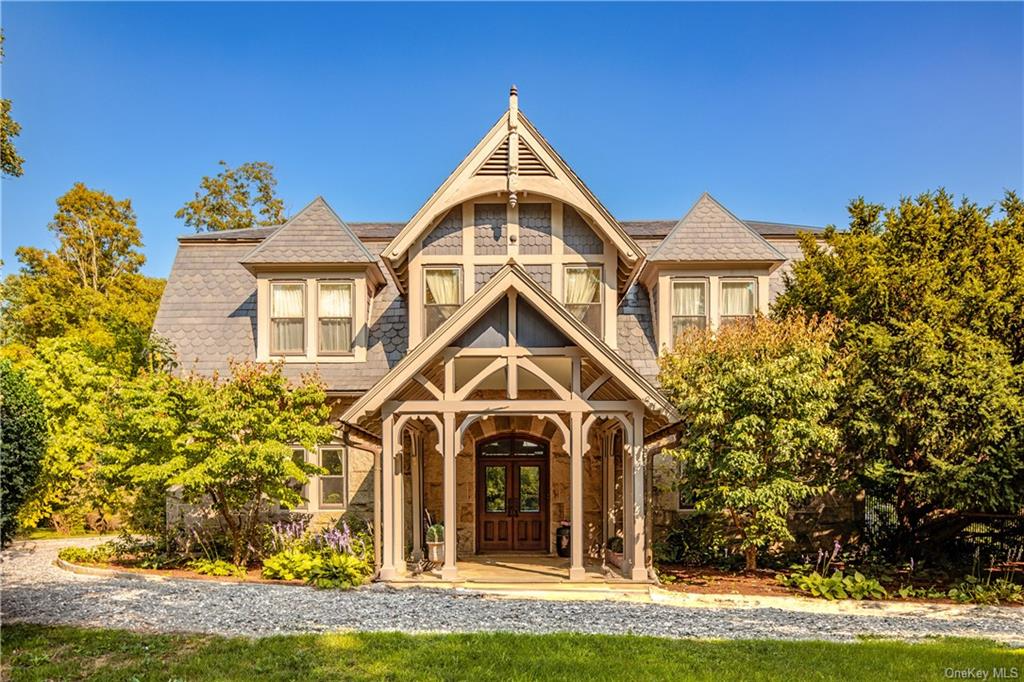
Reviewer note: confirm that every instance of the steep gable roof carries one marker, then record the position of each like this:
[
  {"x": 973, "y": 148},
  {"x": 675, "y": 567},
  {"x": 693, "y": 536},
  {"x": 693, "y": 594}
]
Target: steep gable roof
[
  {"x": 511, "y": 276},
  {"x": 313, "y": 235},
  {"x": 497, "y": 167},
  {"x": 709, "y": 232}
]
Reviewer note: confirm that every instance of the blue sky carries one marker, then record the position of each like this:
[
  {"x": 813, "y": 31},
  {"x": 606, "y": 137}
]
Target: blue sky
[{"x": 782, "y": 111}]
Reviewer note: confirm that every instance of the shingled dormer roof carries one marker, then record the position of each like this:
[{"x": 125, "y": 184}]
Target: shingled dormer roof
[
  {"x": 709, "y": 232},
  {"x": 313, "y": 235}
]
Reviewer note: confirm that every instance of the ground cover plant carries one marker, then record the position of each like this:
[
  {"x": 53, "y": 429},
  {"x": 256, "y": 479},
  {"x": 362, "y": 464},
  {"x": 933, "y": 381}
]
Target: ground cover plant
[{"x": 34, "y": 652}]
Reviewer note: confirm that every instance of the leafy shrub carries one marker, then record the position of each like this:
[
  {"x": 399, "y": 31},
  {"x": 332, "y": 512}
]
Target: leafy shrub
[
  {"x": 976, "y": 591},
  {"x": 291, "y": 564},
  {"x": 614, "y": 544},
  {"x": 338, "y": 571},
  {"x": 22, "y": 446},
  {"x": 836, "y": 586},
  {"x": 695, "y": 540},
  {"x": 101, "y": 554},
  {"x": 912, "y": 592},
  {"x": 216, "y": 567}
]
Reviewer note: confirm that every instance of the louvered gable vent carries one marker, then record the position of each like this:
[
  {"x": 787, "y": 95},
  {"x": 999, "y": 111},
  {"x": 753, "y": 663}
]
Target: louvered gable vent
[{"x": 529, "y": 163}]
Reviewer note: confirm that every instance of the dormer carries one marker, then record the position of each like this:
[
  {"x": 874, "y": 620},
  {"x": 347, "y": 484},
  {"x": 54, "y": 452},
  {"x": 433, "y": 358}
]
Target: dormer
[
  {"x": 513, "y": 199},
  {"x": 314, "y": 282},
  {"x": 711, "y": 270}
]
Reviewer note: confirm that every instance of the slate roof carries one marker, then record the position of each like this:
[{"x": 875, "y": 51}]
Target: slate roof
[
  {"x": 709, "y": 232},
  {"x": 208, "y": 314},
  {"x": 313, "y": 235},
  {"x": 208, "y": 311}
]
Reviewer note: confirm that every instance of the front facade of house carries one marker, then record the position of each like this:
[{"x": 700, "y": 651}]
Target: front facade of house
[{"x": 491, "y": 363}]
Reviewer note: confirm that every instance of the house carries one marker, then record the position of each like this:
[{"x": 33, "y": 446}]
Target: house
[{"x": 492, "y": 362}]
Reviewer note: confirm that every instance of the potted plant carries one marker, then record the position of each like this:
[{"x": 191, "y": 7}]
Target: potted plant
[
  {"x": 435, "y": 543},
  {"x": 613, "y": 551}
]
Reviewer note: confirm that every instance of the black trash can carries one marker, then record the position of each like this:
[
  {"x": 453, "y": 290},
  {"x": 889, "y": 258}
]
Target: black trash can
[{"x": 562, "y": 538}]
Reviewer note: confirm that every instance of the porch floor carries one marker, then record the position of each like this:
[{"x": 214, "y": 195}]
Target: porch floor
[{"x": 518, "y": 569}]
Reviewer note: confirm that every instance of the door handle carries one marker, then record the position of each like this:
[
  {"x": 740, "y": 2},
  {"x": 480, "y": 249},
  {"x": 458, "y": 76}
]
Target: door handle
[{"x": 511, "y": 506}]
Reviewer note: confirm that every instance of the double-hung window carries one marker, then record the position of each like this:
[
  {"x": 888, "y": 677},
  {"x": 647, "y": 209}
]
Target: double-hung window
[
  {"x": 583, "y": 295},
  {"x": 689, "y": 306},
  {"x": 334, "y": 316},
  {"x": 442, "y": 295},
  {"x": 332, "y": 483},
  {"x": 287, "y": 318},
  {"x": 738, "y": 301}
]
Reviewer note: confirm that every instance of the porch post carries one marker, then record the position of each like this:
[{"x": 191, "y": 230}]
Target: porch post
[
  {"x": 628, "y": 527},
  {"x": 417, "y": 497},
  {"x": 638, "y": 520},
  {"x": 387, "y": 507},
  {"x": 398, "y": 481},
  {"x": 608, "y": 469},
  {"x": 449, "y": 571},
  {"x": 576, "y": 570}
]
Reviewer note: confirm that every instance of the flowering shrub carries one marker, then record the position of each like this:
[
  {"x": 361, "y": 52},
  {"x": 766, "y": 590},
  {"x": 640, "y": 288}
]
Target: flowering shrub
[{"x": 329, "y": 558}]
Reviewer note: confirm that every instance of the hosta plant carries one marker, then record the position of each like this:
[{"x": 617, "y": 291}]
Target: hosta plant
[
  {"x": 291, "y": 564},
  {"x": 835, "y": 586},
  {"x": 338, "y": 571},
  {"x": 217, "y": 567}
]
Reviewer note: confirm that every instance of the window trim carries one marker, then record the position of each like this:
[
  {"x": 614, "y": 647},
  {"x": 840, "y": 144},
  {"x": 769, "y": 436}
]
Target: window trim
[
  {"x": 305, "y": 314},
  {"x": 600, "y": 291},
  {"x": 462, "y": 291},
  {"x": 705, "y": 281},
  {"x": 352, "y": 339},
  {"x": 321, "y": 505},
  {"x": 730, "y": 319}
]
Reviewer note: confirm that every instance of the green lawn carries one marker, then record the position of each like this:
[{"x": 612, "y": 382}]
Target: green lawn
[
  {"x": 50, "y": 534},
  {"x": 43, "y": 653}
]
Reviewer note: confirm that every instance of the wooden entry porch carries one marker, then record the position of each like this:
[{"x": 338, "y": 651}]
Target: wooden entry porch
[{"x": 518, "y": 569}]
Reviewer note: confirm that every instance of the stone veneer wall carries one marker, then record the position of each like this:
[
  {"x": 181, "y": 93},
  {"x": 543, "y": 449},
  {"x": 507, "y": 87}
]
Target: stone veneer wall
[{"x": 559, "y": 493}]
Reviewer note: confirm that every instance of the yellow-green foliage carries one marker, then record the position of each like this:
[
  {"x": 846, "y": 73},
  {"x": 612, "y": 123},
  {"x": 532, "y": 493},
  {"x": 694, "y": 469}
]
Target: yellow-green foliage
[{"x": 754, "y": 399}]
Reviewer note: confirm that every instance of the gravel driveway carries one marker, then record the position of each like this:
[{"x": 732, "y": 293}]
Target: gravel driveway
[{"x": 34, "y": 590}]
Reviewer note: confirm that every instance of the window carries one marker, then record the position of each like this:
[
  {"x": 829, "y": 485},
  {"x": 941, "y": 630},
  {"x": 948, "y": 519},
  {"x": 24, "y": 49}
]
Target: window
[
  {"x": 689, "y": 306},
  {"x": 287, "y": 318},
  {"x": 332, "y": 484},
  {"x": 299, "y": 457},
  {"x": 442, "y": 295},
  {"x": 737, "y": 301},
  {"x": 334, "y": 314},
  {"x": 583, "y": 295}
]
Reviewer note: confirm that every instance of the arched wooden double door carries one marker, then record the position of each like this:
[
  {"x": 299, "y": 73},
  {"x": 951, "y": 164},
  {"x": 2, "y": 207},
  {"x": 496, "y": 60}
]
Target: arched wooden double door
[{"x": 512, "y": 494}]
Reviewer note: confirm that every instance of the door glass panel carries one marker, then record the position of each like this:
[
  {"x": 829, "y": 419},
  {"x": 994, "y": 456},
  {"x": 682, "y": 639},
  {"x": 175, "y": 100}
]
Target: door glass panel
[
  {"x": 495, "y": 493},
  {"x": 499, "y": 448},
  {"x": 529, "y": 448},
  {"x": 529, "y": 489}
]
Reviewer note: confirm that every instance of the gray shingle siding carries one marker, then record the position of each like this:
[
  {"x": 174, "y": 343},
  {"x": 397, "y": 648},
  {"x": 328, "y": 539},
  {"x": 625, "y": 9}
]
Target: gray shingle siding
[
  {"x": 578, "y": 236},
  {"x": 490, "y": 234},
  {"x": 534, "y": 228},
  {"x": 446, "y": 238}
]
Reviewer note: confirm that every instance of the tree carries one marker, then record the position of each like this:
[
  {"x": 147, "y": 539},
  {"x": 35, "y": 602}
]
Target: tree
[
  {"x": 931, "y": 298},
  {"x": 10, "y": 161},
  {"x": 89, "y": 288},
  {"x": 23, "y": 442},
  {"x": 755, "y": 401},
  {"x": 232, "y": 199},
  {"x": 73, "y": 387},
  {"x": 225, "y": 443}
]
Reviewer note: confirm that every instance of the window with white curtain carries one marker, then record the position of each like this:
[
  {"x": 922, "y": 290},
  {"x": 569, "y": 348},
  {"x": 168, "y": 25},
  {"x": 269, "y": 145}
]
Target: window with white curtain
[
  {"x": 689, "y": 306},
  {"x": 738, "y": 301},
  {"x": 287, "y": 318},
  {"x": 442, "y": 295},
  {"x": 332, "y": 484},
  {"x": 583, "y": 295},
  {"x": 334, "y": 315}
]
